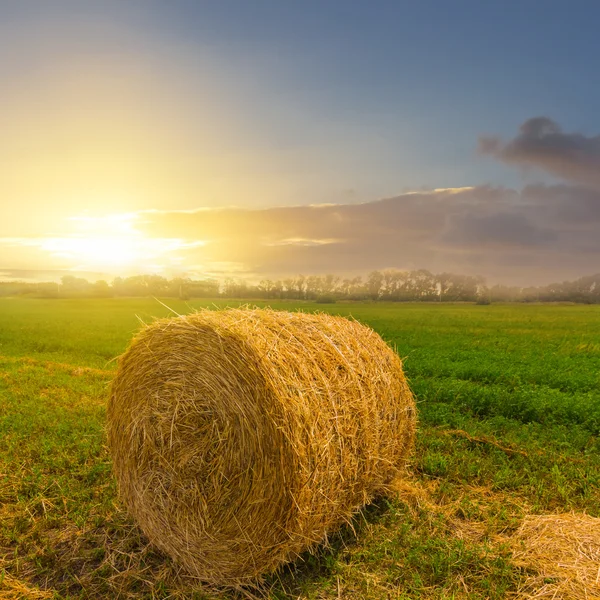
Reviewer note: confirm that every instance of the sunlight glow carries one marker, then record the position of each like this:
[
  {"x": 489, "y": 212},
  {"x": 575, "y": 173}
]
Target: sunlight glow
[
  {"x": 112, "y": 242},
  {"x": 106, "y": 251}
]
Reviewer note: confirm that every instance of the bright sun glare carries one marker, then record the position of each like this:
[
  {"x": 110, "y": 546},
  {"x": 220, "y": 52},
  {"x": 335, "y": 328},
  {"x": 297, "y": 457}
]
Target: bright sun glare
[
  {"x": 112, "y": 242},
  {"x": 98, "y": 251}
]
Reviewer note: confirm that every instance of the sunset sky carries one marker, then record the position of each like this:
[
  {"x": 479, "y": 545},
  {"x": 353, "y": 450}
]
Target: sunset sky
[{"x": 266, "y": 138}]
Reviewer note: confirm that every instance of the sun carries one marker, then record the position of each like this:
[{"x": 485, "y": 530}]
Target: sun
[
  {"x": 97, "y": 251},
  {"x": 113, "y": 243},
  {"x": 104, "y": 242}
]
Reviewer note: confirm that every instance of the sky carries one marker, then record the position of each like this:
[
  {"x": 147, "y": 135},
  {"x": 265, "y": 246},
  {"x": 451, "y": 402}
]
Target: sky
[{"x": 268, "y": 138}]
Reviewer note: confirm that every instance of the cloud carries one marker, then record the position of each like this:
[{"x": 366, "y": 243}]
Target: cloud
[
  {"x": 541, "y": 143},
  {"x": 535, "y": 235},
  {"x": 501, "y": 229},
  {"x": 540, "y": 234},
  {"x": 303, "y": 242}
]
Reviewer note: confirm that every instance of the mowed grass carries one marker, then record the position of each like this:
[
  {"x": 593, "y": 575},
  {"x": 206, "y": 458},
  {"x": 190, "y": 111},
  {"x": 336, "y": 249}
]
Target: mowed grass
[{"x": 509, "y": 409}]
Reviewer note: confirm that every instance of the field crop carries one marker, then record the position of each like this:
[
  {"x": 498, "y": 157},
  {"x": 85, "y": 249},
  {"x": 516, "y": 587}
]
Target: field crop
[{"x": 509, "y": 424}]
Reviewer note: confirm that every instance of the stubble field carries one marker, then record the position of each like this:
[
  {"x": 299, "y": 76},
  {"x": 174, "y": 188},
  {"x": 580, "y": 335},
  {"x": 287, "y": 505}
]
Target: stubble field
[{"x": 509, "y": 419}]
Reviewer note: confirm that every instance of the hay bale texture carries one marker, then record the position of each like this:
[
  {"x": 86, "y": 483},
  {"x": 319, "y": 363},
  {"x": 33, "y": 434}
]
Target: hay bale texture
[{"x": 240, "y": 438}]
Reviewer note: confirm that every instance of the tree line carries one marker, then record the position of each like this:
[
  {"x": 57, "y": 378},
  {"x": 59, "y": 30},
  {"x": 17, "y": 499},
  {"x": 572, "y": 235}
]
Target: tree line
[{"x": 389, "y": 285}]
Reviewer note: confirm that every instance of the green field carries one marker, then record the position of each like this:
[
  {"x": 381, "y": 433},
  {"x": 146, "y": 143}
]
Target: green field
[{"x": 509, "y": 410}]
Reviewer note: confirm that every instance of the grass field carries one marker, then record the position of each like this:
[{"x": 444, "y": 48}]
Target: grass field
[{"x": 509, "y": 409}]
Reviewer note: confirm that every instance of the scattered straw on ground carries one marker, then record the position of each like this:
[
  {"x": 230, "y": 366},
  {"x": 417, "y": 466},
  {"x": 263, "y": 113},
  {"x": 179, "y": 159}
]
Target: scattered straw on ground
[
  {"x": 74, "y": 370},
  {"x": 241, "y": 438},
  {"x": 14, "y": 589},
  {"x": 483, "y": 440},
  {"x": 560, "y": 555}
]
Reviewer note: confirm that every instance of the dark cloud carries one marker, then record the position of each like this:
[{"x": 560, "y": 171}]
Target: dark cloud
[
  {"x": 542, "y": 233},
  {"x": 542, "y": 143}
]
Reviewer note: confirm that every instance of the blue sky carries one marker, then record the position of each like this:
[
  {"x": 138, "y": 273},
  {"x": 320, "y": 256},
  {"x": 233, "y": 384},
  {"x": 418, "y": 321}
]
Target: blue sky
[
  {"x": 416, "y": 81},
  {"x": 118, "y": 107},
  {"x": 428, "y": 76}
]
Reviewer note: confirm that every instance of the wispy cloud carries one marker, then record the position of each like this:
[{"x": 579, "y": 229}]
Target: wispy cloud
[{"x": 298, "y": 241}]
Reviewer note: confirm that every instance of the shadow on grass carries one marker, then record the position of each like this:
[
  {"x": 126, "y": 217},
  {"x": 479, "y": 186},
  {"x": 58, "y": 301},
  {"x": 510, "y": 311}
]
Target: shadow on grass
[
  {"x": 320, "y": 565},
  {"x": 112, "y": 558}
]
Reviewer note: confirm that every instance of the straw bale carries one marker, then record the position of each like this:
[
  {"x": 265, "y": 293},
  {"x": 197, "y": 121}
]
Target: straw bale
[
  {"x": 560, "y": 555},
  {"x": 241, "y": 438}
]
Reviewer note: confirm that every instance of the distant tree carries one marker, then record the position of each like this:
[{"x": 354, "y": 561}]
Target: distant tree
[
  {"x": 459, "y": 288},
  {"x": 300, "y": 286},
  {"x": 100, "y": 289},
  {"x": 356, "y": 289},
  {"x": 74, "y": 286},
  {"x": 46, "y": 290},
  {"x": 390, "y": 284},
  {"x": 266, "y": 288},
  {"x": 388, "y": 289},
  {"x": 156, "y": 285},
  {"x": 204, "y": 288},
  {"x": 504, "y": 293},
  {"x": 424, "y": 284},
  {"x": 118, "y": 287},
  {"x": 313, "y": 287},
  {"x": 277, "y": 289},
  {"x": 444, "y": 281},
  {"x": 374, "y": 284},
  {"x": 288, "y": 287},
  {"x": 179, "y": 287},
  {"x": 329, "y": 284},
  {"x": 235, "y": 288}
]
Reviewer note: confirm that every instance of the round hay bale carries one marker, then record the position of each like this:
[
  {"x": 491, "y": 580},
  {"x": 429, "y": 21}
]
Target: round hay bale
[{"x": 240, "y": 438}]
